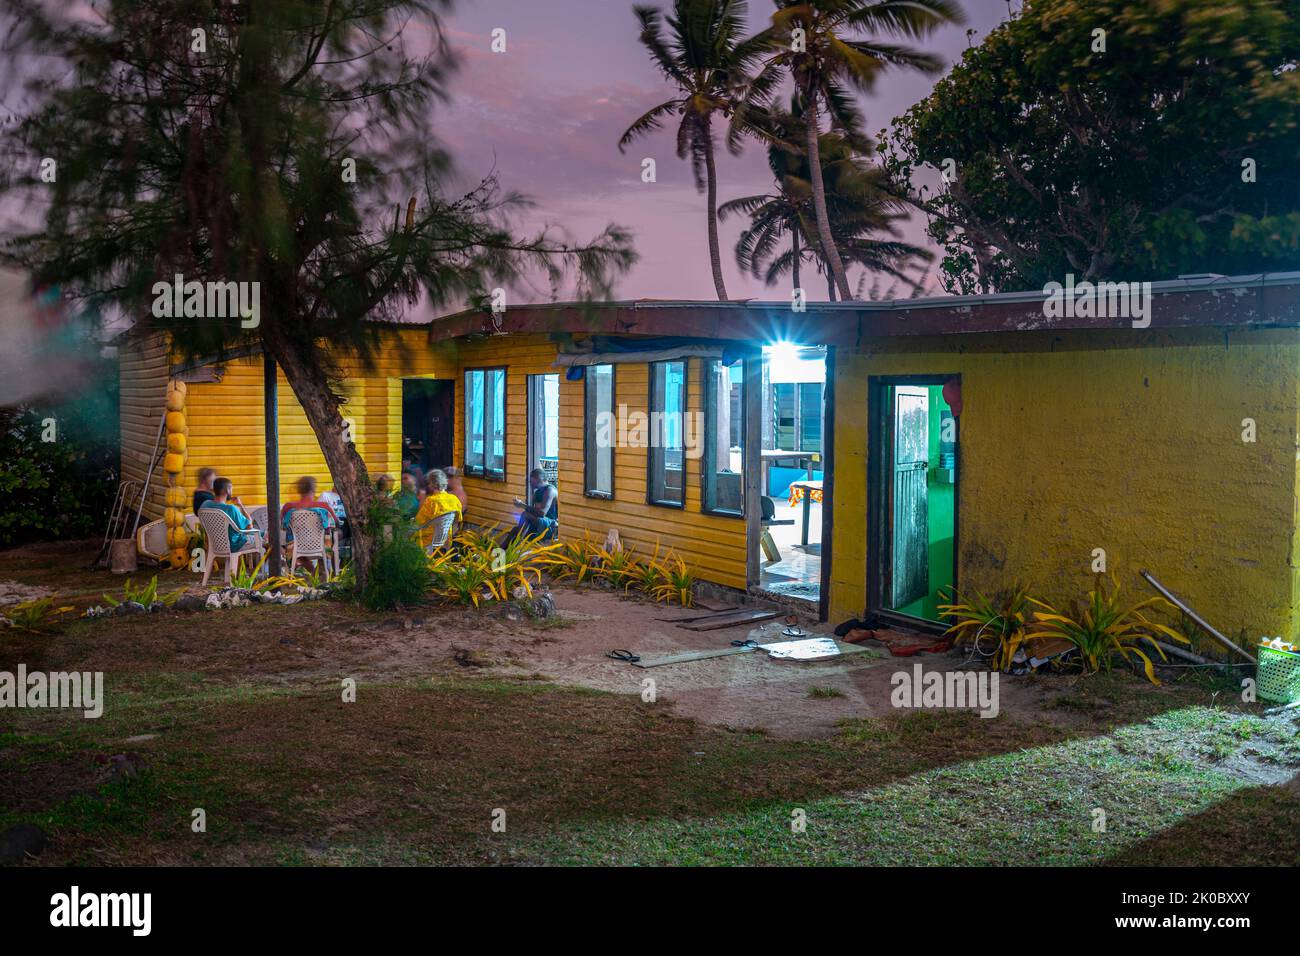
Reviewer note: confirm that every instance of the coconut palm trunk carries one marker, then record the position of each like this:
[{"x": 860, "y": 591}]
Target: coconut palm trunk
[
  {"x": 795, "y": 253},
  {"x": 715, "y": 256},
  {"x": 829, "y": 250}
]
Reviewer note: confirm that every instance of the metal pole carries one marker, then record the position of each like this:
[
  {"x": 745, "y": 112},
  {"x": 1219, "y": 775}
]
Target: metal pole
[
  {"x": 271, "y": 417},
  {"x": 1200, "y": 621},
  {"x": 751, "y": 466}
]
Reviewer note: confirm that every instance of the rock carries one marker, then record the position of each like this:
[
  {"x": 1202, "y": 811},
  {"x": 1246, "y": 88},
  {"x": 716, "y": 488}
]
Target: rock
[
  {"x": 157, "y": 606},
  {"x": 121, "y": 767},
  {"x": 139, "y": 738},
  {"x": 131, "y": 607},
  {"x": 192, "y": 602},
  {"x": 20, "y": 842},
  {"x": 543, "y": 605},
  {"x": 213, "y": 601}
]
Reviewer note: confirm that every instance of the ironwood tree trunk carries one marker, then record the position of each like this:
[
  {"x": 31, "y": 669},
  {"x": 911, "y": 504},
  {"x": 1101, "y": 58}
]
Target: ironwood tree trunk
[
  {"x": 711, "y": 184},
  {"x": 829, "y": 250},
  {"x": 347, "y": 469}
]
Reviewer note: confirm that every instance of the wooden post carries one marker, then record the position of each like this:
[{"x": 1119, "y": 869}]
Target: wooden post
[
  {"x": 271, "y": 428},
  {"x": 828, "y": 486},
  {"x": 752, "y": 459}
]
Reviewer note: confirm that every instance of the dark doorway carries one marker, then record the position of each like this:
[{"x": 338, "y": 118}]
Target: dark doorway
[
  {"x": 428, "y": 413},
  {"x": 912, "y": 495}
]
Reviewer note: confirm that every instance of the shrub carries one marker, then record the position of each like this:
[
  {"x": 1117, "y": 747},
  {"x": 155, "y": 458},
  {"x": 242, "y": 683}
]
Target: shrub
[
  {"x": 146, "y": 594},
  {"x": 619, "y": 567},
  {"x": 677, "y": 584},
  {"x": 998, "y": 622},
  {"x": 39, "y": 616},
  {"x": 1104, "y": 628},
  {"x": 579, "y": 560},
  {"x": 79, "y": 470},
  {"x": 399, "y": 572}
]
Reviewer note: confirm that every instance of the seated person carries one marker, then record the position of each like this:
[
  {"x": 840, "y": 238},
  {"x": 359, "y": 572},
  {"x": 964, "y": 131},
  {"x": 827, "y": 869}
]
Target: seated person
[
  {"x": 203, "y": 487},
  {"x": 542, "y": 516},
  {"x": 223, "y": 498},
  {"x": 436, "y": 502},
  {"x": 457, "y": 487},
  {"x": 406, "y": 499},
  {"x": 385, "y": 485},
  {"x": 331, "y": 500},
  {"x": 306, "y": 499}
]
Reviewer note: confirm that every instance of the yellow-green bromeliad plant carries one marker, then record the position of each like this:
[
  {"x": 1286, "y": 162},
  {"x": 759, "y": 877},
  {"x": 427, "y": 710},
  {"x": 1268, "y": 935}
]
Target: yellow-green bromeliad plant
[
  {"x": 1104, "y": 628},
  {"x": 997, "y": 623}
]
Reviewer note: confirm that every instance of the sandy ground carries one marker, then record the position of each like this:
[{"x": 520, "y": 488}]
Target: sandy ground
[
  {"x": 744, "y": 691},
  {"x": 327, "y": 640}
]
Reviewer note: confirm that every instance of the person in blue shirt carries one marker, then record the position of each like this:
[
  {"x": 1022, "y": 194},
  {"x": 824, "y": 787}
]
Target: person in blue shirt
[{"x": 224, "y": 499}]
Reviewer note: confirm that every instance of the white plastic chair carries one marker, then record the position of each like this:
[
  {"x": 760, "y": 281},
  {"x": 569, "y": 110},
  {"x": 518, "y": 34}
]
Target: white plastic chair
[
  {"x": 309, "y": 541},
  {"x": 440, "y": 529},
  {"x": 191, "y": 523},
  {"x": 258, "y": 514},
  {"x": 217, "y": 526},
  {"x": 151, "y": 539}
]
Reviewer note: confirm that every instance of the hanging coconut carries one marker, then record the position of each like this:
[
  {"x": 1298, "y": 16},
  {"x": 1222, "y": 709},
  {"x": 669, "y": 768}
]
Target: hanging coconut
[
  {"x": 176, "y": 442},
  {"x": 175, "y": 422},
  {"x": 173, "y": 463},
  {"x": 178, "y": 538}
]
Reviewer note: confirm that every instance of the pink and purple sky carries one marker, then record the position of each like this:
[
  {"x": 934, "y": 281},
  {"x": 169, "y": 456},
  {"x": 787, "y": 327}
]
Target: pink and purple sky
[{"x": 550, "y": 110}]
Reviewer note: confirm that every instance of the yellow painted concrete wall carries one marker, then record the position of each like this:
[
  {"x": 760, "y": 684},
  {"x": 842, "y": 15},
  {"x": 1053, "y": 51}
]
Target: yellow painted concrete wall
[{"x": 1129, "y": 442}]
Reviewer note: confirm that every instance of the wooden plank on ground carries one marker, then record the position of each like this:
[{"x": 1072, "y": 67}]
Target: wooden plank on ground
[
  {"x": 695, "y": 656},
  {"x": 729, "y": 620},
  {"x": 700, "y": 617}
]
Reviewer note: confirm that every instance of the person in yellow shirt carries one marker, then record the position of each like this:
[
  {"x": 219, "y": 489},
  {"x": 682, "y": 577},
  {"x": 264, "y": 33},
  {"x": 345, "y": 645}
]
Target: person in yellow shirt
[{"x": 437, "y": 502}]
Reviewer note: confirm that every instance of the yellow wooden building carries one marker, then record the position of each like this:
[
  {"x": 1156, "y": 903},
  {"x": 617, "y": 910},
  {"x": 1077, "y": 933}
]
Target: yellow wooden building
[{"x": 967, "y": 441}]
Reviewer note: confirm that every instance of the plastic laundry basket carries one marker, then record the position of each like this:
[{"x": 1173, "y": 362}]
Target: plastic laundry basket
[{"x": 1278, "y": 677}]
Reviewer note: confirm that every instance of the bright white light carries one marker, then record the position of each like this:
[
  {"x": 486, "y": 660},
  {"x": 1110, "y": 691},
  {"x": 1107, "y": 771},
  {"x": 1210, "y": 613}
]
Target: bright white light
[{"x": 785, "y": 363}]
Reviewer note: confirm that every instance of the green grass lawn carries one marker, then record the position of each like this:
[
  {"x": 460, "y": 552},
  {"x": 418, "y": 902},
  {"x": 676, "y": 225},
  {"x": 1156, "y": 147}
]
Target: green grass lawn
[{"x": 412, "y": 772}]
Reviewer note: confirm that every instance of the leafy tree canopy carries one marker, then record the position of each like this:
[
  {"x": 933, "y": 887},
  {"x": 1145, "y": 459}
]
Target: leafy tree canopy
[{"x": 1114, "y": 139}]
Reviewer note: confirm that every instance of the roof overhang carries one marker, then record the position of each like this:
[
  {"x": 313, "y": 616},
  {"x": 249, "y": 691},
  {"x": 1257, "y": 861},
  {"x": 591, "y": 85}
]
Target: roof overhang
[{"x": 1268, "y": 300}]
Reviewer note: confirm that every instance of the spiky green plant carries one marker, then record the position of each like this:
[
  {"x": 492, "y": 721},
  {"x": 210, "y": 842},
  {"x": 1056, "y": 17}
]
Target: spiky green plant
[
  {"x": 38, "y": 616},
  {"x": 1104, "y": 628},
  {"x": 146, "y": 594}
]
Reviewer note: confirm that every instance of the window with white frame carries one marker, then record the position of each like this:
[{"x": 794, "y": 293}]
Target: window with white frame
[{"x": 485, "y": 422}]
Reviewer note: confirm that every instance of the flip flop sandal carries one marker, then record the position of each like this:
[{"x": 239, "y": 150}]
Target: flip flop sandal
[
  {"x": 746, "y": 643},
  {"x": 622, "y": 655}
]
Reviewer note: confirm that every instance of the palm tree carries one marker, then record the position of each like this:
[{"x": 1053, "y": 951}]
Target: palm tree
[
  {"x": 816, "y": 42},
  {"x": 860, "y": 206},
  {"x": 706, "y": 56}
]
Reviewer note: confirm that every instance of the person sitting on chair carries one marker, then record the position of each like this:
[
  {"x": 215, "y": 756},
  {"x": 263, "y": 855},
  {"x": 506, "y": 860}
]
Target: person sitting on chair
[
  {"x": 437, "y": 502},
  {"x": 306, "y": 499},
  {"x": 407, "y": 500},
  {"x": 543, "y": 515},
  {"x": 456, "y": 487},
  {"x": 203, "y": 488},
  {"x": 223, "y": 498}
]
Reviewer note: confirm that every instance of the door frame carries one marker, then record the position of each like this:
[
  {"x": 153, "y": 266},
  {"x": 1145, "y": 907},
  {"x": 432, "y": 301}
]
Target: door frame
[
  {"x": 531, "y": 388},
  {"x": 880, "y": 463}
]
